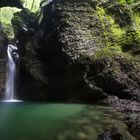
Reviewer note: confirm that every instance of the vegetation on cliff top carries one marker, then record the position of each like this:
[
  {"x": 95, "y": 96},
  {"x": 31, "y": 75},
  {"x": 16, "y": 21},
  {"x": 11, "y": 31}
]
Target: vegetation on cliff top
[
  {"x": 124, "y": 23},
  {"x": 6, "y": 14}
]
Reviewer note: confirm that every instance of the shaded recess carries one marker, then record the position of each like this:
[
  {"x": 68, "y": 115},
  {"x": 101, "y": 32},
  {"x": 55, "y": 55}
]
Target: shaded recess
[{"x": 11, "y": 3}]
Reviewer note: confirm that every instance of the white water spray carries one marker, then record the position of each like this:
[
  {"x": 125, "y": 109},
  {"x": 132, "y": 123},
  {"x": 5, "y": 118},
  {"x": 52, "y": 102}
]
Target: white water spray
[{"x": 11, "y": 74}]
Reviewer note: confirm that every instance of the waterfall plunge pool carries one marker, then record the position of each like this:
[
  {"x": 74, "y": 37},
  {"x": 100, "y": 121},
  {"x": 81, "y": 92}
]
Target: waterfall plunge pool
[
  {"x": 48, "y": 121},
  {"x": 12, "y": 100}
]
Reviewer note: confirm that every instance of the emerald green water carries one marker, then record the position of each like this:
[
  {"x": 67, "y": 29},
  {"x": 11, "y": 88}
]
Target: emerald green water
[
  {"x": 30, "y": 121},
  {"x": 45, "y": 121}
]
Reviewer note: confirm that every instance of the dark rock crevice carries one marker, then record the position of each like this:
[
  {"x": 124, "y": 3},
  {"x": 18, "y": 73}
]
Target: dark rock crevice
[{"x": 11, "y": 3}]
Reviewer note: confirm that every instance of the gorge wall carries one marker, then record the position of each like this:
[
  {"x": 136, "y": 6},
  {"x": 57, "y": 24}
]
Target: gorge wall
[
  {"x": 81, "y": 50},
  {"x": 76, "y": 51},
  {"x": 3, "y": 47}
]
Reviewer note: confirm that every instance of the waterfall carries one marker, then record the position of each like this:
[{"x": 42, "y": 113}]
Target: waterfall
[{"x": 11, "y": 73}]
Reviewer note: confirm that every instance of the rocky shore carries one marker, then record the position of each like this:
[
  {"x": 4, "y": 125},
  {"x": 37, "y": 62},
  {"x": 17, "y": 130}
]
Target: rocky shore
[
  {"x": 97, "y": 123},
  {"x": 131, "y": 113}
]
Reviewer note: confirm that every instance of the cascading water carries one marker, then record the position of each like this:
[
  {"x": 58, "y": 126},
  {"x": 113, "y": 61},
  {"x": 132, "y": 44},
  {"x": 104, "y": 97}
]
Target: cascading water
[{"x": 11, "y": 73}]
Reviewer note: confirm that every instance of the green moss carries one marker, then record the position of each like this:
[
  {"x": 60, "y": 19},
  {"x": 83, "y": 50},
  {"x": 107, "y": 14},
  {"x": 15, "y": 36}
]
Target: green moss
[
  {"x": 105, "y": 26},
  {"x": 136, "y": 18},
  {"x": 136, "y": 7},
  {"x": 126, "y": 1},
  {"x": 108, "y": 52},
  {"x": 24, "y": 22},
  {"x": 32, "y": 5},
  {"x": 121, "y": 13},
  {"x": 127, "y": 37},
  {"x": 131, "y": 41},
  {"x": 114, "y": 59},
  {"x": 115, "y": 29},
  {"x": 6, "y": 14},
  {"x": 8, "y": 30},
  {"x": 120, "y": 26}
]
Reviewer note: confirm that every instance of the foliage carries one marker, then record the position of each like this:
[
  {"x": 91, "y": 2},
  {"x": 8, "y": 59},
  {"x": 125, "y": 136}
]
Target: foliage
[
  {"x": 8, "y": 30},
  {"x": 121, "y": 13},
  {"x": 112, "y": 31},
  {"x": 25, "y": 22},
  {"x": 126, "y": 1},
  {"x": 116, "y": 37},
  {"x": 131, "y": 41},
  {"x": 32, "y": 5},
  {"x": 116, "y": 30},
  {"x": 136, "y": 7},
  {"x": 104, "y": 24},
  {"x": 137, "y": 22},
  {"x": 6, "y": 14}
]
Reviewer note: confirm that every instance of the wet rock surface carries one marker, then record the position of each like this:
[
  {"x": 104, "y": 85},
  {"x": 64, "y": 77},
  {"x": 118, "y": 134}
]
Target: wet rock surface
[
  {"x": 131, "y": 112},
  {"x": 133, "y": 122}
]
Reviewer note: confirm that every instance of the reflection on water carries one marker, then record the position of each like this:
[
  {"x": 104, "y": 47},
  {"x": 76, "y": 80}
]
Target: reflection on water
[{"x": 42, "y": 121}]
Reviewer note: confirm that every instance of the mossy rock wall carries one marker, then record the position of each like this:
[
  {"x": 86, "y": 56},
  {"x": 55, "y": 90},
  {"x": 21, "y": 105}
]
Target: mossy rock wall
[{"x": 77, "y": 53}]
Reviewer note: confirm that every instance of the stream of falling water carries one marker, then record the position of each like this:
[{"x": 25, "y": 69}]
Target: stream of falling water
[{"x": 11, "y": 74}]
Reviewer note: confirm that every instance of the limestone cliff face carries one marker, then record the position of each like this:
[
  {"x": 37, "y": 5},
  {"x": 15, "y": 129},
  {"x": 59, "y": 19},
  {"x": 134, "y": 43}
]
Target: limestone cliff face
[{"x": 75, "y": 54}]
